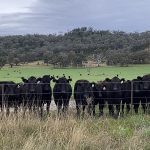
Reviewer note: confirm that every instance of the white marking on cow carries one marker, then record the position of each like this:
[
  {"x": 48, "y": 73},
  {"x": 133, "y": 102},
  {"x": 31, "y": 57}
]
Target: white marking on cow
[
  {"x": 89, "y": 100},
  {"x": 38, "y": 82},
  {"x": 104, "y": 88}
]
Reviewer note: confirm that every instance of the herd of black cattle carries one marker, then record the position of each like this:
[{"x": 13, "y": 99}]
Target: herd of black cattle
[{"x": 33, "y": 93}]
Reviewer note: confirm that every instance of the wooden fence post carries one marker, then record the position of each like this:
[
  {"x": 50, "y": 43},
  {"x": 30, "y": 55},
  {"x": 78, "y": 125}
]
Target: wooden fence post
[
  {"x": 2, "y": 97},
  {"x": 132, "y": 97}
]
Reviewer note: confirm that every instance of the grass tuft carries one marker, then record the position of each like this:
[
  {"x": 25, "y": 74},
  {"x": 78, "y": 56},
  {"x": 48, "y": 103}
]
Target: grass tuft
[{"x": 70, "y": 133}]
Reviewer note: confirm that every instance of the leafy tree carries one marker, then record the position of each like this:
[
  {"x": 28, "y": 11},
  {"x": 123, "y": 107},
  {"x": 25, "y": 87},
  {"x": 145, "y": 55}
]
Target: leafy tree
[
  {"x": 76, "y": 46},
  {"x": 2, "y": 62}
]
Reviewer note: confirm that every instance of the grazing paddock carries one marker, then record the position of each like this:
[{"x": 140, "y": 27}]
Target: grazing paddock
[
  {"x": 69, "y": 133},
  {"x": 95, "y": 74}
]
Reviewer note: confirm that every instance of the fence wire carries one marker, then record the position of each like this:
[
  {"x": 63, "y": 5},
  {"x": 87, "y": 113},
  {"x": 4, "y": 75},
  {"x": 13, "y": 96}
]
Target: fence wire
[{"x": 132, "y": 93}]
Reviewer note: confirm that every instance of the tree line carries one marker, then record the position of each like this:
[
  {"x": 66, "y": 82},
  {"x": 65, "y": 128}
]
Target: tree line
[{"x": 76, "y": 46}]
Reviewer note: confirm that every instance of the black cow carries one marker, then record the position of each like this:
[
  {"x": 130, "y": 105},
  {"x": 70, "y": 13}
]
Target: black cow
[
  {"x": 146, "y": 90},
  {"x": 99, "y": 97},
  {"x": 113, "y": 92},
  {"x": 83, "y": 96},
  {"x": 10, "y": 96},
  {"x": 126, "y": 96},
  {"x": 62, "y": 92},
  {"x": 137, "y": 87},
  {"x": 31, "y": 93},
  {"x": 46, "y": 90},
  {"x": 2, "y": 93}
]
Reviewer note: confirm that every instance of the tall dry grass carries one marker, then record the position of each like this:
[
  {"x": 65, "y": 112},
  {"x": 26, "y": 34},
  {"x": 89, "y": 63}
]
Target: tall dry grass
[{"x": 70, "y": 133}]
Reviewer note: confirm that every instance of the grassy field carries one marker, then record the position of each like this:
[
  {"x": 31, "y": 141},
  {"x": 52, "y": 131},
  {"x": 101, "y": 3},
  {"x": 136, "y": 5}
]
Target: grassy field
[
  {"x": 95, "y": 74},
  {"x": 131, "y": 132},
  {"x": 30, "y": 133}
]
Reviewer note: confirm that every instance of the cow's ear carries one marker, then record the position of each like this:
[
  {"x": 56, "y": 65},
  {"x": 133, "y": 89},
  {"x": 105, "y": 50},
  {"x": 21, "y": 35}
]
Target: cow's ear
[
  {"x": 129, "y": 81},
  {"x": 92, "y": 84},
  {"x": 54, "y": 80},
  {"x": 39, "y": 79},
  {"x": 18, "y": 85},
  {"x": 24, "y": 80},
  {"x": 69, "y": 79},
  {"x": 52, "y": 77},
  {"x": 104, "y": 87},
  {"x": 107, "y": 79},
  {"x": 122, "y": 80},
  {"x": 139, "y": 78}
]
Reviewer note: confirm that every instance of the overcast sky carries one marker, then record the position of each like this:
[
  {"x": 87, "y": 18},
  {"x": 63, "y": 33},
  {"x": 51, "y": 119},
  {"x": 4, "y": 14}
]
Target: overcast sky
[{"x": 54, "y": 16}]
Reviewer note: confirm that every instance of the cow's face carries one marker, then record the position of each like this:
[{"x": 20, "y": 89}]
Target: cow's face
[
  {"x": 116, "y": 84},
  {"x": 87, "y": 92},
  {"x": 146, "y": 85},
  {"x": 45, "y": 81},
  {"x": 10, "y": 88},
  {"x": 31, "y": 84},
  {"x": 146, "y": 82},
  {"x": 97, "y": 87},
  {"x": 127, "y": 85},
  {"x": 62, "y": 84},
  {"x": 136, "y": 86}
]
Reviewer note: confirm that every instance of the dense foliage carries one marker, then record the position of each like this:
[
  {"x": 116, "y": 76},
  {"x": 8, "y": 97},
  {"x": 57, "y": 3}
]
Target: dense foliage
[{"x": 78, "y": 45}]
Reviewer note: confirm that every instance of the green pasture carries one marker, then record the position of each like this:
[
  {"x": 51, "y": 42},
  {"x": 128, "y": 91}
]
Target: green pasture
[{"x": 92, "y": 74}]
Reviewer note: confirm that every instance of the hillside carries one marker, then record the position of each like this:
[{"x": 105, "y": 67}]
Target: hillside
[{"x": 73, "y": 47}]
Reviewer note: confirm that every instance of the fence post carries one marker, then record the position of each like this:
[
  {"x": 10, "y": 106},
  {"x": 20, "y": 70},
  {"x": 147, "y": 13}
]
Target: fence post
[
  {"x": 2, "y": 97},
  {"x": 131, "y": 97}
]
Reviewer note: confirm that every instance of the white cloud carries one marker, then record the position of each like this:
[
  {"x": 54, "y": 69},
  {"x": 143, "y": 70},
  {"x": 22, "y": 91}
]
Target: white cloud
[
  {"x": 49, "y": 16},
  {"x": 15, "y": 6}
]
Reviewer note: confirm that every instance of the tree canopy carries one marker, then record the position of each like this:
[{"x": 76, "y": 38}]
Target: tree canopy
[{"x": 73, "y": 47}]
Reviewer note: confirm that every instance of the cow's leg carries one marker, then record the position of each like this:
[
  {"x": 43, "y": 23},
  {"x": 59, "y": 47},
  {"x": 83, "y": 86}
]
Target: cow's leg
[
  {"x": 59, "y": 105},
  {"x": 118, "y": 109},
  {"x": 15, "y": 108},
  {"x": 128, "y": 108},
  {"x": 7, "y": 110},
  {"x": 136, "y": 103},
  {"x": 101, "y": 107},
  {"x": 2, "y": 112},
  {"x": 78, "y": 108},
  {"x": 111, "y": 109},
  {"x": 41, "y": 110},
  {"x": 83, "y": 110},
  {"x": 143, "y": 102},
  {"x": 136, "y": 107},
  {"x": 148, "y": 105},
  {"x": 93, "y": 108},
  {"x": 2, "y": 108},
  {"x": 64, "y": 105},
  {"x": 24, "y": 110},
  {"x": 30, "y": 109},
  {"x": 89, "y": 109},
  {"x": 35, "y": 108},
  {"x": 48, "y": 106},
  {"x": 123, "y": 103}
]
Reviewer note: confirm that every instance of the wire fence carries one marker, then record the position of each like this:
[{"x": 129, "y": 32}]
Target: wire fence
[{"x": 134, "y": 94}]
